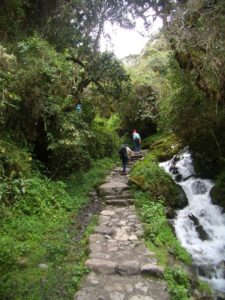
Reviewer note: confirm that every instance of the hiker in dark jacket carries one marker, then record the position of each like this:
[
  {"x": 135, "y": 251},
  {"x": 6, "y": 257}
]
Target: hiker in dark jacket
[{"x": 124, "y": 153}]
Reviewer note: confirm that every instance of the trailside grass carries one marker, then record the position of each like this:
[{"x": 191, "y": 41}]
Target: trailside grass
[{"x": 39, "y": 257}]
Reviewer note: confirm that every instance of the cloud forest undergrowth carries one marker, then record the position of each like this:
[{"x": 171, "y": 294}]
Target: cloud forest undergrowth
[{"x": 39, "y": 258}]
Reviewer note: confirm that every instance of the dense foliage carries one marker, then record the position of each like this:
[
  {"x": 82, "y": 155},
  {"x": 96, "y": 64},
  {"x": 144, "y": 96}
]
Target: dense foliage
[
  {"x": 195, "y": 107},
  {"x": 148, "y": 76},
  {"x": 178, "y": 82},
  {"x": 50, "y": 62}
]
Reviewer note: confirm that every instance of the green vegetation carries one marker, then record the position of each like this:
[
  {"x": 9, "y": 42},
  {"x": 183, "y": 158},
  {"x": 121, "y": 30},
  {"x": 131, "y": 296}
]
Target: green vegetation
[
  {"x": 51, "y": 155},
  {"x": 39, "y": 258},
  {"x": 158, "y": 233},
  {"x": 178, "y": 283},
  {"x": 148, "y": 176}
]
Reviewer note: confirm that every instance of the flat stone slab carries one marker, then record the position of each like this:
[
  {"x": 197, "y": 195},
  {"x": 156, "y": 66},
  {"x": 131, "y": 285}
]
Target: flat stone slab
[
  {"x": 121, "y": 234},
  {"x": 102, "y": 229},
  {"x": 108, "y": 212}
]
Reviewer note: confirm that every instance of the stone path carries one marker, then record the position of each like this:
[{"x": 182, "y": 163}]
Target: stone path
[{"x": 118, "y": 257}]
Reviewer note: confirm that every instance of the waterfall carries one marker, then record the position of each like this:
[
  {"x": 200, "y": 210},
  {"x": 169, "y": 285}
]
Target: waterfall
[{"x": 200, "y": 226}]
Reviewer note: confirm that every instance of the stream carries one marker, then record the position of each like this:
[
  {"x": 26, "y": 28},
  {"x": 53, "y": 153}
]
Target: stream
[{"x": 200, "y": 226}]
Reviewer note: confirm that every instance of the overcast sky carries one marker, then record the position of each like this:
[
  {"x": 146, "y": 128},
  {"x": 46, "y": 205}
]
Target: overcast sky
[{"x": 126, "y": 42}]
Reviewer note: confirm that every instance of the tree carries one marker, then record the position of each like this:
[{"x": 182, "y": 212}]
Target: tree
[
  {"x": 149, "y": 86},
  {"x": 195, "y": 108}
]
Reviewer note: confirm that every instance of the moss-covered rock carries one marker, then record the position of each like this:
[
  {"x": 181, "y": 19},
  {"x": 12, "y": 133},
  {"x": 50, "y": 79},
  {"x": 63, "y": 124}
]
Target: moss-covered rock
[
  {"x": 148, "y": 176},
  {"x": 162, "y": 147},
  {"x": 218, "y": 191},
  {"x": 165, "y": 148}
]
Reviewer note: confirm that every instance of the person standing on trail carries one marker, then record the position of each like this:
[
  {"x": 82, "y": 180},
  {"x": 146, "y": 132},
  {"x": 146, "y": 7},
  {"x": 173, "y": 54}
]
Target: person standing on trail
[
  {"x": 137, "y": 140},
  {"x": 124, "y": 153}
]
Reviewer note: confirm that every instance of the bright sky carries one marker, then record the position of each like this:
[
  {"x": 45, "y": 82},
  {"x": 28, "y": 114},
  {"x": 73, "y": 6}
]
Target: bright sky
[{"x": 125, "y": 42}]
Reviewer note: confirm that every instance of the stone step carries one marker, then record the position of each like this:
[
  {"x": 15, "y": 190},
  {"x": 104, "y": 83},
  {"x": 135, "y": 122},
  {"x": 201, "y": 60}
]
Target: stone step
[
  {"x": 116, "y": 287},
  {"x": 124, "y": 268},
  {"x": 133, "y": 161},
  {"x": 102, "y": 266},
  {"x": 136, "y": 156},
  {"x": 119, "y": 196},
  {"x": 120, "y": 202}
]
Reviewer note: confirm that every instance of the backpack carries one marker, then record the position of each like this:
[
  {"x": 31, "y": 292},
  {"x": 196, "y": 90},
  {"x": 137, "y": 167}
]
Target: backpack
[{"x": 123, "y": 151}]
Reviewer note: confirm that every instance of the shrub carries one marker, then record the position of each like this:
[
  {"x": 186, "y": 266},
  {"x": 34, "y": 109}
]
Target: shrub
[
  {"x": 178, "y": 283},
  {"x": 15, "y": 161},
  {"x": 157, "y": 230}
]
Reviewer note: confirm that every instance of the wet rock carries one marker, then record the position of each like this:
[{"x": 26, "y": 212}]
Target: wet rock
[
  {"x": 217, "y": 194},
  {"x": 170, "y": 213},
  {"x": 198, "y": 188},
  {"x": 183, "y": 201},
  {"x": 203, "y": 235},
  {"x": 212, "y": 270},
  {"x": 178, "y": 178}
]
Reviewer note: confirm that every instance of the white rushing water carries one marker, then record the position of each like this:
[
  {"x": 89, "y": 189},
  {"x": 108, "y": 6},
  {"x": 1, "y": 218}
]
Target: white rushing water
[{"x": 208, "y": 252}]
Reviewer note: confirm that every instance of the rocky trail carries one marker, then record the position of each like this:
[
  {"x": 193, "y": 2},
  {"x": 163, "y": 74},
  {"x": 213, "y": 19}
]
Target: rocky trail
[{"x": 119, "y": 260}]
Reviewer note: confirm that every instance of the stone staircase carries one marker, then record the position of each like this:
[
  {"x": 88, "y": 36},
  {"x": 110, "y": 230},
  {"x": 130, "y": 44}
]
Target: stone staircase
[{"x": 118, "y": 257}]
